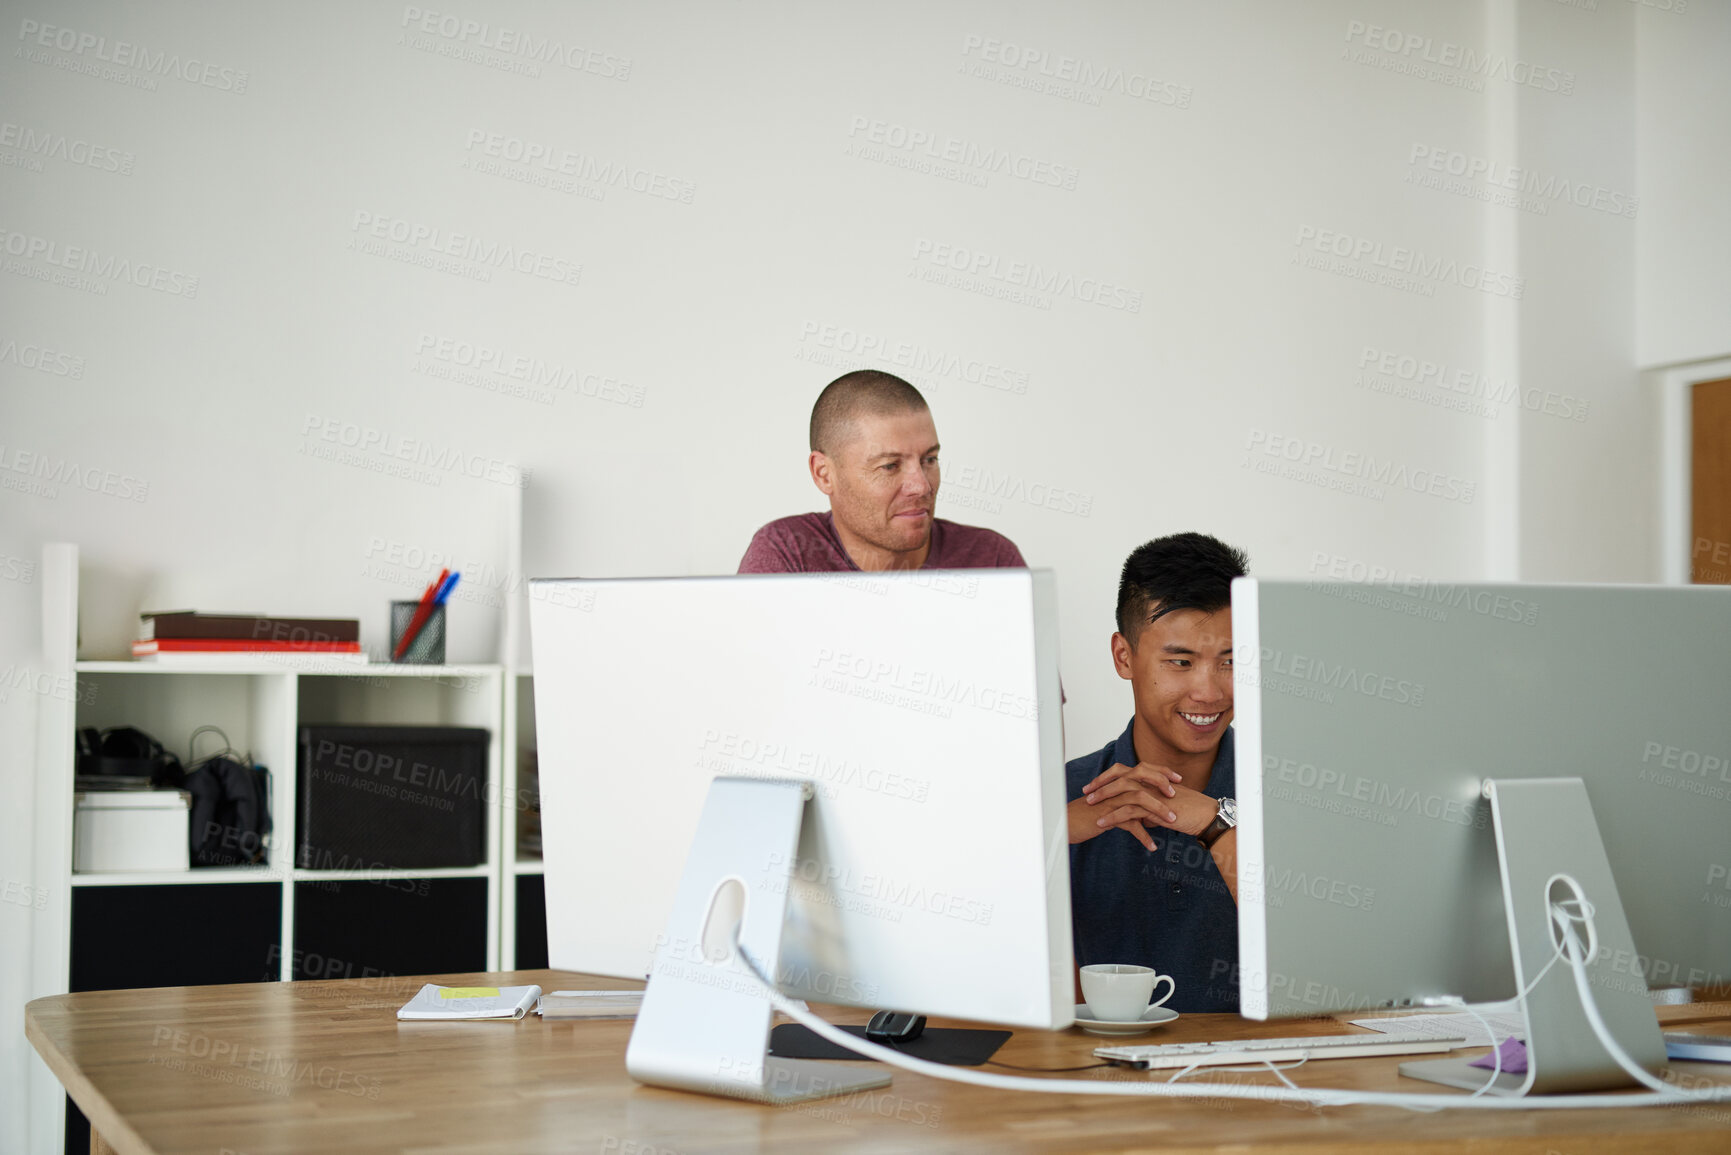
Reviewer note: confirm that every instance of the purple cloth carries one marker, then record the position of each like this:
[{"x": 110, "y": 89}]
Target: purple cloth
[
  {"x": 807, "y": 543},
  {"x": 1514, "y": 1053}
]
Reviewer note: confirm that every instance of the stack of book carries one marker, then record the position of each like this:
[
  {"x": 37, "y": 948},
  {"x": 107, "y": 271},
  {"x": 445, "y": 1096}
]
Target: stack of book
[{"x": 182, "y": 635}]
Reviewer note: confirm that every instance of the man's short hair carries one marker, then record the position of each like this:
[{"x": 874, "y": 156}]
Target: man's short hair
[
  {"x": 857, "y": 394},
  {"x": 1185, "y": 571}
]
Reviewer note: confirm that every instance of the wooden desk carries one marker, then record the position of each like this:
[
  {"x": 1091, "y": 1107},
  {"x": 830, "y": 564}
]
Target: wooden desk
[{"x": 273, "y": 1068}]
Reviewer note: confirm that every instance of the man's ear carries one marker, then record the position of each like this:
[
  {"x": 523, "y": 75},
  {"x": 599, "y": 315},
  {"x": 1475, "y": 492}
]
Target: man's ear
[
  {"x": 822, "y": 472},
  {"x": 1122, "y": 656}
]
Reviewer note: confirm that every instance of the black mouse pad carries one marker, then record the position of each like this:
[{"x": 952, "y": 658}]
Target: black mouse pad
[{"x": 953, "y": 1046}]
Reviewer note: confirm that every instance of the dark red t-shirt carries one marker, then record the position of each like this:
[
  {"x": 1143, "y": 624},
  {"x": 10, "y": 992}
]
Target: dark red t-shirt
[{"x": 807, "y": 543}]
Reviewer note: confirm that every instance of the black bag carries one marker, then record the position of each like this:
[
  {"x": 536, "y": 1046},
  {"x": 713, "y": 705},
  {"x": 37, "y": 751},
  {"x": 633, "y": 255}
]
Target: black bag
[
  {"x": 230, "y": 809},
  {"x": 126, "y": 752}
]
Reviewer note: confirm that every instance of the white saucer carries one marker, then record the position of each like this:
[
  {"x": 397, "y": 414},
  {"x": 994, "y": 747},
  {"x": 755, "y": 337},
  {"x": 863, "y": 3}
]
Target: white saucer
[{"x": 1151, "y": 1018}]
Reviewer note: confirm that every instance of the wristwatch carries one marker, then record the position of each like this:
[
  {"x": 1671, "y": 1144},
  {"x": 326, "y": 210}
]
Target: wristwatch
[{"x": 1223, "y": 821}]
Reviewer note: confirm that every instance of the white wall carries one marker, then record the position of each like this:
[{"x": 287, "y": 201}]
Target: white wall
[
  {"x": 1587, "y": 486},
  {"x": 1227, "y": 145},
  {"x": 1683, "y": 269}
]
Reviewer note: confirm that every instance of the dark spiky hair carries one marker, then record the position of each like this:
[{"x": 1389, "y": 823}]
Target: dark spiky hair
[{"x": 1185, "y": 571}]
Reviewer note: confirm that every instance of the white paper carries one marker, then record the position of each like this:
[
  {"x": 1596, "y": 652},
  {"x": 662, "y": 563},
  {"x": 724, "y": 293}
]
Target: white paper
[{"x": 594, "y": 1004}]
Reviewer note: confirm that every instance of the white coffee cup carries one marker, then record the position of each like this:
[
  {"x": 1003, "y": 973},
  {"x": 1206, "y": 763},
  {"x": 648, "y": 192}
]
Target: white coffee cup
[{"x": 1122, "y": 993}]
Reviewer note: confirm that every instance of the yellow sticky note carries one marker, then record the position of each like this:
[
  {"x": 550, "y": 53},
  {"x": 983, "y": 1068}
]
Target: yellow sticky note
[{"x": 468, "y": 992}]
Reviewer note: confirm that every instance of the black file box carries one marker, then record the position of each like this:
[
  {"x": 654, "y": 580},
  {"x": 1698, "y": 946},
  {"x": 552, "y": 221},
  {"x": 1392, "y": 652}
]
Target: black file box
[{"x": 391, "y": 796}]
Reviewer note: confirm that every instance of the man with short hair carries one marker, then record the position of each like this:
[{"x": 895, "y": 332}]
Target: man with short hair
[
  {"x": 874, "y": 454},
  {"x": 1170, "y": 903}
]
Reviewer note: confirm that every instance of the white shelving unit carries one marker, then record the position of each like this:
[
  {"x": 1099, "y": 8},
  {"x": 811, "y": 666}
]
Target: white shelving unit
[
  {"x": 260, "y": 705},
  {"x": 261, "y": 708}
]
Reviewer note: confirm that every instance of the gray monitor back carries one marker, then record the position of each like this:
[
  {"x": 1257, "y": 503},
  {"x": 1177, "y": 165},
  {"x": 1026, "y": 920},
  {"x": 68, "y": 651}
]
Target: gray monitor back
[{"x": 1367, "y": 718}]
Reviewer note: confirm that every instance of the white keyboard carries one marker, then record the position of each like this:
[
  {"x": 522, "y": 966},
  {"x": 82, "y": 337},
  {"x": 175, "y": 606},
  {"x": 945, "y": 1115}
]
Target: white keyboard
[{"x": 1235, "y": 1052}]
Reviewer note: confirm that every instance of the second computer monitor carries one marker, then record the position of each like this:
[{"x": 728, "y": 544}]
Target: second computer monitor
[{"x": 1368, "y": 718}]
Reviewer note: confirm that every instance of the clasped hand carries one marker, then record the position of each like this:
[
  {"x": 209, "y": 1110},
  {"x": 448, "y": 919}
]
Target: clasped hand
[{"x": 1133, "y": 798}]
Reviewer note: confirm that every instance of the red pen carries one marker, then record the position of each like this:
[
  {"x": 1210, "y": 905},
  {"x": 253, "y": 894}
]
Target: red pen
[{"x": 422, "y": 611}]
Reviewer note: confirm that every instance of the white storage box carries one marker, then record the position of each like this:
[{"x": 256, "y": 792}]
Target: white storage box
[{"x": 120, "y": 830}]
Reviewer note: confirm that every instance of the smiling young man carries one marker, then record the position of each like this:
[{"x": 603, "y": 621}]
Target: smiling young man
[
  {"x": 874, "y": 454},
  {"x": 1168, "y": 902}
]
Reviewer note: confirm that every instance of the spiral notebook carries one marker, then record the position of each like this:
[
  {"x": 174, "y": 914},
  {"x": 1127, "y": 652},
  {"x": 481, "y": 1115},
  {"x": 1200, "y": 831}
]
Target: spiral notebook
[{"x": 436, "y": 1002}]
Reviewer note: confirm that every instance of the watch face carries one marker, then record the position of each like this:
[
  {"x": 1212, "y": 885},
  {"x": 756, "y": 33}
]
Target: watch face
[{"x": 1229, "y": 810}]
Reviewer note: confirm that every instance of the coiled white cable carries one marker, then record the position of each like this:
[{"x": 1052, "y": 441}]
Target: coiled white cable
[
  {"x": 1662, "y": 1094},
  {"x": 1565, "y": 924}
]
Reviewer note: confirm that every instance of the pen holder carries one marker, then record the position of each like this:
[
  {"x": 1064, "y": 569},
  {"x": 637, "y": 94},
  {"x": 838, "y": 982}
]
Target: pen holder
[{"x": 428, "y": 648}]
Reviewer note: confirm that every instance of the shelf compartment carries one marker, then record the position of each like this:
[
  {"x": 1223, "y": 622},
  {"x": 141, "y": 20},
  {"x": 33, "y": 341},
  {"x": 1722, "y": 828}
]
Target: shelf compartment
[
  {"x": 389, "y": 926},
  {"x": 169, "y": 936},
  {"x": 531, "y": 928},
  {"x": 251, "y": 709},
  {"x": 434, "y": 696}
]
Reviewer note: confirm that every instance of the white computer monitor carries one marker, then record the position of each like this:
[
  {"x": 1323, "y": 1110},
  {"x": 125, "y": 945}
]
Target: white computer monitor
[
  {"x": 931, "y": 873},
  {"x": 1369, "y": 719}
]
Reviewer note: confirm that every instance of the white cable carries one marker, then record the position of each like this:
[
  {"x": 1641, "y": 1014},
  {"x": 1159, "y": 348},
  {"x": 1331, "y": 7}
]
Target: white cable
[
  {"x": 1496, "y": 1046},
  {"x": 1319, "y": 1096},
  {"x": 1255, "y": 1067},
  {"x": 1520, "y": 1000},
  {"x": 1590, "y": 1003},
  {"x": 907, "y": 1062},
  {"x": 1280, "y": 1072}
]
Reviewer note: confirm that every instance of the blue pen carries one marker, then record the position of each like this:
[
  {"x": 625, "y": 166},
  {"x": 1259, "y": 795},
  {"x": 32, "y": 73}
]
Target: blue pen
[{"x": 445, "y": 590}]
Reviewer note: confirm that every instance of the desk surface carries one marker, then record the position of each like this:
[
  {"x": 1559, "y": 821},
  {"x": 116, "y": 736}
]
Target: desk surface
[{"x": 273, "y": 1068}]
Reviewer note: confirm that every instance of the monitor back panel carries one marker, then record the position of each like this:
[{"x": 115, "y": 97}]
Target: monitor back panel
[
  {"x": 1367, "y": 718},
  {"x": 931, "y": 873}
]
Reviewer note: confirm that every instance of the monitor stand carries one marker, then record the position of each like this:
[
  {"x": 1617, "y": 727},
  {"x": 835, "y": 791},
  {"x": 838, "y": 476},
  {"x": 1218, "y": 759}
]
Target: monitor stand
[
  {"x": 1545, "y": 827},
  {"x": 704, "y": 1023}
]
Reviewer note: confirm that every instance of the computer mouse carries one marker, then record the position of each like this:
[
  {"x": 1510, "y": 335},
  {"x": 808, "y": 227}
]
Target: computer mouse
[{"x": 892, "y": 1028}]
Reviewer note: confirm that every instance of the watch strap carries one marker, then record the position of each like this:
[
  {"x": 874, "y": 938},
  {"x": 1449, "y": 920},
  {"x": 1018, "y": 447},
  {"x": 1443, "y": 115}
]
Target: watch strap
[{"x": 1216, "y": 829}]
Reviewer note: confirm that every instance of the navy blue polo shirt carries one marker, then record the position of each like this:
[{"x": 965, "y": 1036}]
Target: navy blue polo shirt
[{"x": 1168, "y": 909}]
